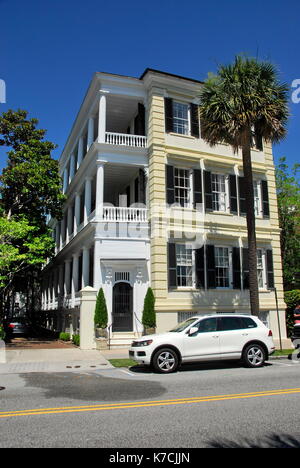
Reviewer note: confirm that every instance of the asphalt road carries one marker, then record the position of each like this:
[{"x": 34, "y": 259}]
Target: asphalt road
[{"x": 222, "y": 405}]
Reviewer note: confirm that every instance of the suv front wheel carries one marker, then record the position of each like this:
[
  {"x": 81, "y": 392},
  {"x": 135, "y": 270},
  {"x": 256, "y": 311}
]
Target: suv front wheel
[
  {"x": 165, "y": 361},
  {"x": 254, "y": 355}
]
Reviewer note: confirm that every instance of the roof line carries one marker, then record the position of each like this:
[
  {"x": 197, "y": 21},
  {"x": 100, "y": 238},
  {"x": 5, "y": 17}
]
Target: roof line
[{"x": 168, "y": 74}]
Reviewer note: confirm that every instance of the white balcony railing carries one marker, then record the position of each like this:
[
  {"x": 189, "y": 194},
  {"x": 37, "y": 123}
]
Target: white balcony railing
[
  {"x": 123, "y": 214},
  {"x": 123, "y": 139}
]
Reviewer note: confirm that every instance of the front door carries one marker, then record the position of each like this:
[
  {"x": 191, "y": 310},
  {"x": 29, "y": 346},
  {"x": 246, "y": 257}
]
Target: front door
[{"x": 122, "y": 308}]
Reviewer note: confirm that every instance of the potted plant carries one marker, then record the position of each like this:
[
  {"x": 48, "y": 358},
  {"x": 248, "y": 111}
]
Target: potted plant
[
  {"x": 148, "y": 317},
  {"x": 101, "y": 316}
]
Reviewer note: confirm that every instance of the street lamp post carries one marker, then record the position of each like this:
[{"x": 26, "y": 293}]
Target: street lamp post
[{"x": 278, "y": 320}]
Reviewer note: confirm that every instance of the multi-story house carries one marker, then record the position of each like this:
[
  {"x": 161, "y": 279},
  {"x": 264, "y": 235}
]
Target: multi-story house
[{"x": 150, "y": 203}]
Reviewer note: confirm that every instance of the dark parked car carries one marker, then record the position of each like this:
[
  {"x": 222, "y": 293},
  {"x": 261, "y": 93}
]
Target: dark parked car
[
  {"x": 17, "y": 327},
  {"x": 296, "y": 335}
]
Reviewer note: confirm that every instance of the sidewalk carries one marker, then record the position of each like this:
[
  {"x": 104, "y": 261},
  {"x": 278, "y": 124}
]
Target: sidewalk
[{"x": 51, "y": 360}]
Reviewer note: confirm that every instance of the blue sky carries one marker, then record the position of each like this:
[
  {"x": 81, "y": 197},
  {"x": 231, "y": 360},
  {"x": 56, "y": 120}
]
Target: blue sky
[{"x": 49, "y": 50}]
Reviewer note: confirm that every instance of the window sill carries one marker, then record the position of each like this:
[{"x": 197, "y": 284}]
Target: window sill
[{"x": 182, "y": 135}]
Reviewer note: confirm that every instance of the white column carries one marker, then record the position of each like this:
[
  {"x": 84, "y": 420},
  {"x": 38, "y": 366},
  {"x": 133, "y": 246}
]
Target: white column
[
  {"x": 77, "y": 213},
  {"x": 62, "y": 231},
  {"x": 102, "y": 117},
  {"x": 60, "y": 283},
  {"x": 85, "y": 267},
  {"x": 99, "y": 190},
  {"x": 87, "y": 328},
  {"x": 90, "y": 138},
  {"x": 65, "y": 180},
  {"x": 97, "y": 272},
  {"x": 72, "y": 167},
  {"x": 80, "y": 152},
  {"x": 67, "y": 276},
  {"x": 75, "y": 271},
  {"x": 87, "y": 199},
  {"x": 57, "y": 239},
  {"x": 69, "y": 223}
]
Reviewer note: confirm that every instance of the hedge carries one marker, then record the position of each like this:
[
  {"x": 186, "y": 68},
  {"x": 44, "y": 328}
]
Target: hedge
[
  {"x": 291, "y": 298},
  {"x": 148, "y": 318},
  {"x": 64, "y": 336},
  {"x": 76, "y": 340}
]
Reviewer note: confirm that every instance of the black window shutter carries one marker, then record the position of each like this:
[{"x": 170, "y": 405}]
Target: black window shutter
[
  {"x": 265, "y": 199},
  {"x": 169, "y": 114},
  {"x": 170, "y": 184},
  {"x": 136, "y": 190},
  {"x": 200, "y": 268},
  {"x": 258, "y": 140},
  {"x": 195, "y": 120},
  {"x": 236, "y": 267},
  {"x": 141, "y": 187},
  {"x": 210, "y": 266},
  {"x": 270, "y": 269},
  {"x": 197, "y": 186},
  {"x": 245, "y": 269},
  {"x": 233, "y": 194},
  {"x": 208, "y": 191},
  {"x": 141, "y": 111},
  {"x": 172, "y": 265},
  {"x": 242, "y": 196}
]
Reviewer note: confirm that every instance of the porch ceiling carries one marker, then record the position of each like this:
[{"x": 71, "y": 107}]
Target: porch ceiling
[
  {"x": 119, "y": 113},
  {"x": 116, "y": 179}
]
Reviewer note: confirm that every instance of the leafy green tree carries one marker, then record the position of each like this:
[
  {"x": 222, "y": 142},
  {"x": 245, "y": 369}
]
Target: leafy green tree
[
  {"x": 30, "y": 189},
  {"x": 288, "y": 196},
  {"x": 101, "y": 315},
  {"x": 244, "y": 102},
  {"x": 148, "y": 317}
]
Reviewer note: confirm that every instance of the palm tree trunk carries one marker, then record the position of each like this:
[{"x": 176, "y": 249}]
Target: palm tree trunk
[{"x": 252, "y": 252}]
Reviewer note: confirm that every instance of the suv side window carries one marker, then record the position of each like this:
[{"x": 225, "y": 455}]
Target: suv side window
[
  {"x": 248, "y": 322},
  {"x": 229, "y": 323},
  {"x": 207, "y": 325}
]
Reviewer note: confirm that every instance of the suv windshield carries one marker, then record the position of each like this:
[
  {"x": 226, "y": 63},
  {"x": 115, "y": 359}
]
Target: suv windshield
[{"x": 183, "y": 325}]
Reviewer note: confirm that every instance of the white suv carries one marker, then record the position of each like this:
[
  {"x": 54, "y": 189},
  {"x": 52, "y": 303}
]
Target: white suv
[{"x": 204, "y": 338}]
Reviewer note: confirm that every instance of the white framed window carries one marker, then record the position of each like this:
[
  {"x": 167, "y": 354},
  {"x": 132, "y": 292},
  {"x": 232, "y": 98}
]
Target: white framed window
[
  {"x": 257, "y": 198},
  {"x": 260, "y": 268},
  {"x": 223, "y": 267},
  {"x": 185, "y": 265},
  {"x": 181, "y": 118},
  {"x": 182, "y": 186},
  {"x": 220, "y": 190}
]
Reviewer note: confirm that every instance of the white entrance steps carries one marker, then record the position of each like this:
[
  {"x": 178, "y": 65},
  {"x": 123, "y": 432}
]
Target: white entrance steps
[{"x": 122, "y": 339}]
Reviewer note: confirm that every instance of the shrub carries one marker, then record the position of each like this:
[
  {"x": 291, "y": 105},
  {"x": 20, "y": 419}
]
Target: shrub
[
  {"x": 2, "y": 333},
  {"x": 149, "y": 318},
  {"x": 291, "y": 298},
  {"x": 76, "y": 340},
  {"x": 64, "y": 336},
  {"x": 101, "y": 316}
]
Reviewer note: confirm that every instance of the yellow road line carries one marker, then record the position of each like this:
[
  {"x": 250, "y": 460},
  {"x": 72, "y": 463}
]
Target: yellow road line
[{"x": 177, "y": 401}]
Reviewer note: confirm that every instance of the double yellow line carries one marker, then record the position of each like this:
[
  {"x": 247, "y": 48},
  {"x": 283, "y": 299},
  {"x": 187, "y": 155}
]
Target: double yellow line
[{"x": 143, "y": 404}]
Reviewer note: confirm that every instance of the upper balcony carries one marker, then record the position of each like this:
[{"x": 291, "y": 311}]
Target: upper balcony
[{"x": 121, "y": 121}]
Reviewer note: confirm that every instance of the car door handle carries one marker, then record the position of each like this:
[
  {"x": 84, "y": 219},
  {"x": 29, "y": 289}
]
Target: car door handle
[
  {"x": 216, "y": 336},
  {"x": 245, "y": 334}
]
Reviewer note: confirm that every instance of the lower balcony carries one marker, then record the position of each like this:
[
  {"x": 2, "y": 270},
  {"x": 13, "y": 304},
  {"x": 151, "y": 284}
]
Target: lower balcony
[{"x": 124, "y": 214}]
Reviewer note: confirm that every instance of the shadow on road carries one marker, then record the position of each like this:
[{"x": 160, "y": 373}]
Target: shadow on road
[
  {"x": 271, "y": 441},
  {"x": 203, "y": 366}
]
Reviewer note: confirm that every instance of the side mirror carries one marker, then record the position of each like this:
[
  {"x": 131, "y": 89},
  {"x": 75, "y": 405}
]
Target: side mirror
[{"x": 192, "y": 331}]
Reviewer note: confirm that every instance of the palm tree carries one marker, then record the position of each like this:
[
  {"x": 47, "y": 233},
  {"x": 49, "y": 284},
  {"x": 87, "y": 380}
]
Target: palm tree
[{"x": 245, "y": 99}]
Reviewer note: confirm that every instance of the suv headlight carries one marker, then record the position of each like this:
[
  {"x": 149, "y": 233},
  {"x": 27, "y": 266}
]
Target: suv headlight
[{"x": 136, "y": 344}]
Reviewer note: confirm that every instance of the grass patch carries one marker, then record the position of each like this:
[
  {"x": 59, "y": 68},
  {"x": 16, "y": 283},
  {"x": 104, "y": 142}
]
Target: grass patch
[
  {"x": 122, "y": 362},
  {"x": 283, "y": 352}
]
